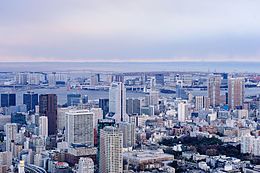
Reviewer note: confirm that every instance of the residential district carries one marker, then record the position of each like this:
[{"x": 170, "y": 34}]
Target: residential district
[{"x": 148, "y": 122}]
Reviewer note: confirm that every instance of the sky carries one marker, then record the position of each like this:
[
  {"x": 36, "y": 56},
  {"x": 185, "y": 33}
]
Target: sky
[{"x": 129, "y": 30}]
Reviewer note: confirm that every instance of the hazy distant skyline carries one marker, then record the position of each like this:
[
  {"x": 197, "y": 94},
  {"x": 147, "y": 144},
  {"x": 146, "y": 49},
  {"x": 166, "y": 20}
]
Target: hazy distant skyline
[{"x": 133, "y": 30}]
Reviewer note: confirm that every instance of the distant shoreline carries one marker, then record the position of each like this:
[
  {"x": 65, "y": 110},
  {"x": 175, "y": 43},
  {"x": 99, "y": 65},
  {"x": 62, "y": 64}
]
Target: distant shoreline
[{"x": 196, "y": 66}]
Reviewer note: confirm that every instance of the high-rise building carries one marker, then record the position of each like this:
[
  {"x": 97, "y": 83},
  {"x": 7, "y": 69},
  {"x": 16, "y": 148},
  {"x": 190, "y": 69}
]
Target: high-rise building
[
  {"x": 8, "y": 100},
  {"x": 102, "y": 123},
  {"x": 79, "y": 127},
  {"x": 153, "y": 97},
  {"x": 159, "y": 78},
  {"x": 11, "y": 130},
  {"x": 201, "y": 102},
  {"x": 118, "y": 78},
  {"x": 48, "y": 107},
  {"x": 182, "y": 111},
  {"x": 236, "y": 92},
  {"x": 61, "y": 117},
  {"x": 214, "y": 83},
  {"x": 86, "y": 165},
  {"x": 73, "y": 99},
  {"x": 43, "y": 126},
  {"x": 30, "y": 99},
  {"x": 246, "y": 144},
  {"x": 117, "y": 101},
  {"x": 21, "y": 78},
  {"x": 94, "y": 79},
  {"x": 128, "y": 130},
  {"x": 84, "y": 99},
  {"x": 104, "y": 105},
  {"x": 111, "y": 145},
  {"x": 129, "y": 106}
]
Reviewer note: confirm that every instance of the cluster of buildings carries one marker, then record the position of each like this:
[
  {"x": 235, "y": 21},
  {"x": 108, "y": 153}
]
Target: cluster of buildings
[{"x": 124, "y": 134}]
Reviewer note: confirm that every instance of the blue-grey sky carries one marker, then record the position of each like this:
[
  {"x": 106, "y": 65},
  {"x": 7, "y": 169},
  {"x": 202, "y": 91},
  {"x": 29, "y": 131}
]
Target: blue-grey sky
[{"x": 129, "y": 30}]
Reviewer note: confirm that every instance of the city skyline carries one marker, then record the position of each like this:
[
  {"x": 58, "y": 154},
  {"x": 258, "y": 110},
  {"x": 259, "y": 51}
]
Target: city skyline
[{"x": 133, "y": 31}]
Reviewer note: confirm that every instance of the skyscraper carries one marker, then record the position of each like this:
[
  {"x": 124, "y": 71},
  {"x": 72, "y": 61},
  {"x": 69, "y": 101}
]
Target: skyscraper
[
  {"x": 48, "y": 107},
  {"x": 236, "y": 92},
  {"x": 43, "y": 126},
  {"x": 102, "y": 123},
  {"x": 182, "y": 111},
  {"x": 8, "y": 100},
  {"x": 111, "y": 145},
  {"x": 73, "y": 99},
  {"x": 153, "y": 94},
  {"x": 159, "y": 78},
  {"x": 11, "y": 130},
  {"x": 79, "y": 127},
  {"x": 201, "y": 102},
  {"x": 214, "y": 83},
  {"x": 128, "y": 130},
  {"x": 118, "y": 78},
  {"x": 104, "y": 105},
  {"x": 30, "y": 99},
  {"x": 117, "y": 101}
]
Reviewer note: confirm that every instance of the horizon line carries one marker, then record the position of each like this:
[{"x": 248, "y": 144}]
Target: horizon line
[{"x": 131, "y": 61}]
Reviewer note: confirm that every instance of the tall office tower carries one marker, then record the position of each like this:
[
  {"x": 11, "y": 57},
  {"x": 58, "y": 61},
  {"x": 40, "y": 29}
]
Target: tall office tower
[
  {"x": 214, "y": 83},
  {"x": 97, "y": 114},
  {"x": 118, "y": 78},
  {"x": 61, "y": 117},
  {"x": 159, "y": 78},
  {"x": 236, "y": 92},
  {"x": 128, "y": 130},
  {"x": 153, "y": 97},
  {"x": 34, "y": 78},
  {"x": 43, "y": 126},
  {"x": 8, "y": 100},
  {"x": 48, "y": 107},
  {"x": 86, "y": 165},
  {"x": 79, "y": 127},
  {"x": 182, "y": 111},
  {"x": 153, "y": 93},
  {"x": 152, "y": 84},
  {"x": 111, "y": 145},
  {"x": 117, "y": 101},
  {"x": 129, "y": 106},
  {"x": 21, "y": 78},
  {"x": 94, "y": 79},
  {"x": 30, "y": 99},
  {"x": 224, "y": 79},
  {"x": 180, "y": 91},
  {"x": 11, "y": 130},
  {"x": 104, "y": 105},
  {"x": 133, "y": 106},
  {"x": 73, "y": 99},
  {"x": 201, "y": 102},
  {"x": 102, "y": 123},
  {"x": 84, "y": 99},
  {"x": 137, "y": 104},
  {"x": 51, "y": 77}
]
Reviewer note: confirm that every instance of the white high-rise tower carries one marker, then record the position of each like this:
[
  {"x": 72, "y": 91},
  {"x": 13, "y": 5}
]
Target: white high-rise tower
[
  {"x": 11, "y": 132},
  {"x": 79, "y": 127},
  {"x": 117, "y": 101},
  {"x": 43, "y": 126}
]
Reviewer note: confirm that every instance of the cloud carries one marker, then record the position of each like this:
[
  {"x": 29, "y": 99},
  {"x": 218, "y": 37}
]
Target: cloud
[{"x": 85, "y": 30}]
